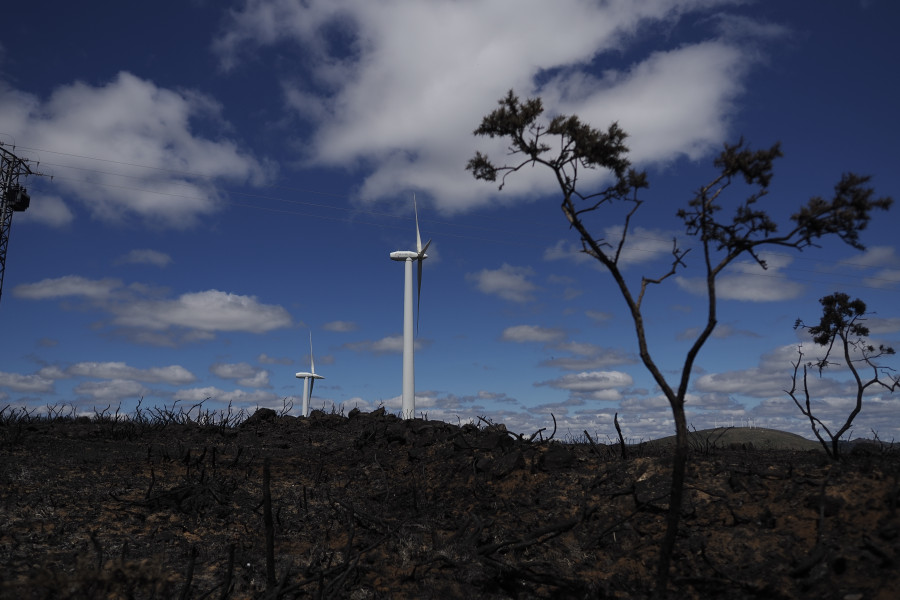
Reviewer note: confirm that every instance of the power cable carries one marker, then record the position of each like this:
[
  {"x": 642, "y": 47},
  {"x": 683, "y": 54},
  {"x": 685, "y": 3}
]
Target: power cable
[{"x": 355, "y": 211}]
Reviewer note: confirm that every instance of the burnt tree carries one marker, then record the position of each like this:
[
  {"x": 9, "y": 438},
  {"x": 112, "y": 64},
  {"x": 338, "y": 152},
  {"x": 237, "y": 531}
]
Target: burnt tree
[
  {"x": 568, "y": 147},
  {"x": 841, "y": 325}
]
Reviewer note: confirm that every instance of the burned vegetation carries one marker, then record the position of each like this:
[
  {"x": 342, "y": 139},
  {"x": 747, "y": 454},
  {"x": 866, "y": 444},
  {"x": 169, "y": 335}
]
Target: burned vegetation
[{"x": 371, "y": 506}]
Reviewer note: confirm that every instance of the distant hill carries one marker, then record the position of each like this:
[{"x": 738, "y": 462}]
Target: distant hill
[{"x": 759, "y": 437}]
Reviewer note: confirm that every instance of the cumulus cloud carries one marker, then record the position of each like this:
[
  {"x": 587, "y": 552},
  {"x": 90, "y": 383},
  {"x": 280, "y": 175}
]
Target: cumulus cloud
[
  {"x": 271, "y": 360},
  {"x": 47, "y": 210},
  {"x": 566, "y": 250},
  {"x": 29, "y": 384},
  {"x": 879, "y": 325},
  {"x": 236, "y": 397},
  {"x": 380, "y": 86},
  {"x": 340, "y": 326},
  {"x": 113, "y": 390},
  {"x": 598, "y": 316},
  {"x": 771, "y": 378},
  {"x": 883, "y": 258},
  {"x": 128, "y": 150},
  {"x": 587, "y": 357},
  {"x": 641, "y": 246},
  {"x": 531, "y": 333},
  {"x": 747, "y": 281},
  {"x": 874, "y": 256},
  {"x": 593, "y": 385},
  {"x": 67, "y": 286},
  {"x": 212, "y": 310},
  {"x": 145, "y": 256},
  {"x": 722, "y": 331},
  {"x": 139, "y": 313},
  {"x": 172, "y": 374},
  {"x": 508, "y": 282},
  {"x": 883, "y": 278},
  {"x": 387, "y": 345},
  {"x": 244, "y": 374}
]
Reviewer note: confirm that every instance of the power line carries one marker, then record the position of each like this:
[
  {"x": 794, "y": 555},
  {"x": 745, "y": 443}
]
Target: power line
[{"x": 348, "y": 211}]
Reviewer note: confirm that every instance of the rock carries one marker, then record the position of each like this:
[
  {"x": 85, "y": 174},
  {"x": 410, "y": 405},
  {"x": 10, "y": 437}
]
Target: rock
[
  {"x": 507, "y": 463},
  {"x": 556, "y": 457},
  {"x": 832, "y": 504},
  {"x": 260, "y": 416},
  {"x": 396, "y": 432}
]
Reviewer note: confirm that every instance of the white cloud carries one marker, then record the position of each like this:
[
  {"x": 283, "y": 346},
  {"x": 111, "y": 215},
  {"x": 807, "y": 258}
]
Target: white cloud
[
  {"x": 112, "y": 390},
  {"x": 722, "y": 331},
  {"x": 340, "y": 326},
  {"x": 883, "y": 278},
  {"x": 588, "y": 357},
  {"x": 145, "y": 256},
  {"x": 771, "y": 377},
  {"x": 271, "y": 360},
  {"x": 236, "y": 397},
  {"x": 642, "y": 246},
  {"x": 145, "y": 318},
  {"x": 598, "y": 316},
  {"x": 47, "y": 210},
  {"x": 127, "y": 150},
  {"x": 207, "y": 311},
  {"x": 874, "y": 256},
  {"x": 879, "y": 326},
  {"x": 531, "y": 333},
  {"x": 32, "y": 384},
  {"x": 245, "y": 374},
  {"x": 507, "y": 282},
  {"x": 172, "y": 374},
  {"x": 387, "y": 345},
  {"x": 70, "y": 285},
  {"x": 747, "y": 281},
  {"x": 593, "y": 385},
  {"x": 397, "y": 99},
  {"x": 565, "y": 250}
]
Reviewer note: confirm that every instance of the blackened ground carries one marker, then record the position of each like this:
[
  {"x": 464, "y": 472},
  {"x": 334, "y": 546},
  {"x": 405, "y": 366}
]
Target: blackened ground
[{"x": 370, "y": 506}]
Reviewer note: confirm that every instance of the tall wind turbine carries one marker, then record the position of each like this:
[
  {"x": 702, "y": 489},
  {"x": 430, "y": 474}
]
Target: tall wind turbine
[
  {"x": 309, "y": 379},
  {"x": 409, "y": 375}
]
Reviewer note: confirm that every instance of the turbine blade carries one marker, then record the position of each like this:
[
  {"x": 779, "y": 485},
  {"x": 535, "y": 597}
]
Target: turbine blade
[
  {"x": 422, "y": 250},
  {"x": 312, "y": 364},
  {"x": 312, "y": 382},
  {"x": 419, "y": 290},
  {"x": 418, "y": 237}
]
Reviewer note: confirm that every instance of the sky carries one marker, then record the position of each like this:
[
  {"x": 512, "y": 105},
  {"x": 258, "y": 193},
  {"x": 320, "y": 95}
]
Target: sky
[{"x": 217, "y": 181}]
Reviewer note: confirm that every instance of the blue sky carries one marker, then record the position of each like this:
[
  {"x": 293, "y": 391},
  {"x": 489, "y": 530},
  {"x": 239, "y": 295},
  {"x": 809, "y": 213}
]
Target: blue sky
[{"x": 229, "y": 176}]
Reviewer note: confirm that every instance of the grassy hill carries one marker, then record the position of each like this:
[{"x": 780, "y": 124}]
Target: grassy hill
[{"x": 758, "y": 438}]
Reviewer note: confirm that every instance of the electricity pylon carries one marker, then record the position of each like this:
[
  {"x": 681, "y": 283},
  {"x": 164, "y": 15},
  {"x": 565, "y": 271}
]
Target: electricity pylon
[{"x": 13, "y": 198}]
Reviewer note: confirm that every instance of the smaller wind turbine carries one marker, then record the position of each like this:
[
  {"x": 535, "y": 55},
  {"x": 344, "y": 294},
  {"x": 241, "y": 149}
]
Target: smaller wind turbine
[
  {"x": 309, "y": 379},
  {"x": 408, "y": 410}
]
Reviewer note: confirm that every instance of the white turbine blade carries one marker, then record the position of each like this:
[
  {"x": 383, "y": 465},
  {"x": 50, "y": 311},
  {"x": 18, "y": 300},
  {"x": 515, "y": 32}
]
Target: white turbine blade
[
  {"x": 418, "y": 237},
  {"x": 312, "y": 382},
  {"x": 419, "y": 290},
  {"x": 312, "y": 364},
  {"x": 422, "y": 250}
]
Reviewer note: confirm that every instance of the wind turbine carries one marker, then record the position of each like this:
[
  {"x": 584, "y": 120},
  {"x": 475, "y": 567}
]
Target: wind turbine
[
  {"x": 309, "y": 379},
  {"x": 408, "y": 256}
]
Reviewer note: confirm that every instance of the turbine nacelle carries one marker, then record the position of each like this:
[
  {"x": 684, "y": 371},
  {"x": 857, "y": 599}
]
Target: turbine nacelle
[
  {"x": 402, "y": 255},
  {"x": 308, "y": 375},
  {"x": 309, "y": 379}
]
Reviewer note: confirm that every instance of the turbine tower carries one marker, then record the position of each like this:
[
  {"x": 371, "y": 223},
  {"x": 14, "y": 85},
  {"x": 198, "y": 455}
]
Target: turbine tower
[
  {"x": 408, "y": 256},
  {"x": 309, "y": 379}
]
